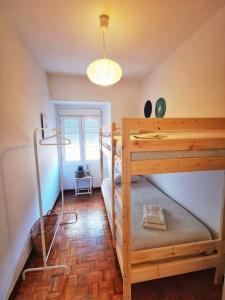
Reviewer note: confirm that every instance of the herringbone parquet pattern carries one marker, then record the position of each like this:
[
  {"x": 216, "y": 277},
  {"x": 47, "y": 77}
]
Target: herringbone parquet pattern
[{"x": 86, "y": 247}]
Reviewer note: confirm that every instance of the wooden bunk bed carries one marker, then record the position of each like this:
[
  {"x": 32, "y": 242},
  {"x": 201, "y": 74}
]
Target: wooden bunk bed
[{"x": 174, "y": 145}]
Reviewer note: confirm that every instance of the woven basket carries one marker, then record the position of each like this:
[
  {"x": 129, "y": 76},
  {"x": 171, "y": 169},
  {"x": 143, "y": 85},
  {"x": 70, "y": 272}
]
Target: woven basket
[{"x": 50, "y": 223}]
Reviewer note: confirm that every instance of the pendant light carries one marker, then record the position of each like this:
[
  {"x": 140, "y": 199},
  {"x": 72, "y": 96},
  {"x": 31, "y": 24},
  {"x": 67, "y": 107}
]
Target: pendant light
[{"x": 104, "y": 71}]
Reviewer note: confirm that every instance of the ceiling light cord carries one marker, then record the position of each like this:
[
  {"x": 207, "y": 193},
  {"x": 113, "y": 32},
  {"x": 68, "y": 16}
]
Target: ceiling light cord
[
  {"x": 104, "y": 71},
  {"x": 103, "y": 41}
]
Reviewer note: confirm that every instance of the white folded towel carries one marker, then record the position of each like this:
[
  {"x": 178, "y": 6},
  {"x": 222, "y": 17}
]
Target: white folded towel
[
  {"x": 153, "y": 214},
  {"x": 153, "y": 217},
  {"x": 154, "y": 226}
]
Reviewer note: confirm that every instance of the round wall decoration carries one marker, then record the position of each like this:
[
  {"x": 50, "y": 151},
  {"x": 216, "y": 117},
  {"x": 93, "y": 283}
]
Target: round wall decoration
[
  {"x": 160, "y": 108},
  {"x": 148, "y": 109}
]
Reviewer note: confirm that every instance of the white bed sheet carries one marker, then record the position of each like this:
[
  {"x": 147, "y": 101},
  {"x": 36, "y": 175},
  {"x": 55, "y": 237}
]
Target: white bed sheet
[{"x": 106, "y": 188}]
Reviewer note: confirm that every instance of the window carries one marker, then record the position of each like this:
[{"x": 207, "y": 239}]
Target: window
[
  {"x": 71, "y": 128},
  {"x": 84, "y": 135},
  {"x": 91, "y": 138}
]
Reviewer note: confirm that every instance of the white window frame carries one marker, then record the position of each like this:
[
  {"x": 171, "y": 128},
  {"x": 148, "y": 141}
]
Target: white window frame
[{"x": 81, "y": 136}]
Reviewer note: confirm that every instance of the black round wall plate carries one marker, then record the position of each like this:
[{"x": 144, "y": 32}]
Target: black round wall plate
[{"x": 148, "y": 109}]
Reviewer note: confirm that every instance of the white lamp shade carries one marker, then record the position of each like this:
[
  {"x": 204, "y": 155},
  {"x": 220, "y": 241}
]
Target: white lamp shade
[{"x": 104, "y": 72}]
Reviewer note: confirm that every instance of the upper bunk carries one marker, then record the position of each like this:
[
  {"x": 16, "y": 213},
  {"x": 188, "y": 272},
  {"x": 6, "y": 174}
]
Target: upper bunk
[{"x": 170, "y": 145}]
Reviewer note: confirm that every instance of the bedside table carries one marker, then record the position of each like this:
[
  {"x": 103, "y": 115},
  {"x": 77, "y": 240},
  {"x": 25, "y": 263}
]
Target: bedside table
[{"x": 83, "y": 185}]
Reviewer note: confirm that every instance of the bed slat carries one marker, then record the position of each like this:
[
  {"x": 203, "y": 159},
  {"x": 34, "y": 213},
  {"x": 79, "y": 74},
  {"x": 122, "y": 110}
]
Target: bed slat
[
  {"x": 176, "y": 144},
  {"x": 174, "y": 251},
  {"x": 149, "y": 271},
  {"x": 174, "y": 124},
  {"x": 142, "y": 167}
]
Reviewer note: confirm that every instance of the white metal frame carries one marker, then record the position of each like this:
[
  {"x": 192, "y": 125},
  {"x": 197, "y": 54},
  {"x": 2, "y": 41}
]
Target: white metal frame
[{"x": 60, "y": 140}]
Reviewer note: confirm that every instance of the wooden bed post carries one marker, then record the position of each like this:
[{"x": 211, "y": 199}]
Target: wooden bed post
[
  {"x": 101, "y": 155},
  {"x": 220, "y": 268},
  {"x": 113, "y": 128},
  {"x": 126, "y": 226}
]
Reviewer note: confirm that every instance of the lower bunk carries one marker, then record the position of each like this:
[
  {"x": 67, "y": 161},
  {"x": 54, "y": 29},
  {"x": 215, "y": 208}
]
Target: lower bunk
[
  {"x": 185, "y": 246},
  {"x": 106, "y": 188}
]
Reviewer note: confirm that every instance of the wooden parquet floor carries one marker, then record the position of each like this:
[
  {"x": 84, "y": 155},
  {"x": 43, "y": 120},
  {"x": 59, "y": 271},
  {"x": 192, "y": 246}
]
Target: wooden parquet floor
[{"x": 86, "y": 247}]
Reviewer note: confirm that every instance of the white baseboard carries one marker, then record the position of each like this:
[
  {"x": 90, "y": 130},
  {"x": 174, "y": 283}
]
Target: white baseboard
[{"x": 20, "y": 264}]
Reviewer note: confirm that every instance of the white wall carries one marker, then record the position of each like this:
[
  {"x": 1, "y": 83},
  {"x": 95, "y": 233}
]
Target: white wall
[
  {"x": 199, "y": 192},
  {"x": 23, "y": 95},
  {"x": 123, "y": 96},
  {"x": 192, "y": 80}
]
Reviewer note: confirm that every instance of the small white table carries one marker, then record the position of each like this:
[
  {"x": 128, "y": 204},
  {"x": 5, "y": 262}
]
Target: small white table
[{"x": 83, "y": 185}]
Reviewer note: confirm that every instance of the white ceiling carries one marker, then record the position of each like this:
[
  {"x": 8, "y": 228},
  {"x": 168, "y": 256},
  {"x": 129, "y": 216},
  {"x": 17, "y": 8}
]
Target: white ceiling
[{"x": 64, "y": 35}]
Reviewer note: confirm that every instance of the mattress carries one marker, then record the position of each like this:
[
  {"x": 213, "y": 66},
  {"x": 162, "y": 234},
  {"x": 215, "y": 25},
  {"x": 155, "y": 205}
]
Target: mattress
[
  {"x": 107, "y": 146},
  {"x": 155, "y": 155},
  {"x": 182, "y": 226},
  {"x": 106, "y": 188},
  {"x": 106, "y": 141}
]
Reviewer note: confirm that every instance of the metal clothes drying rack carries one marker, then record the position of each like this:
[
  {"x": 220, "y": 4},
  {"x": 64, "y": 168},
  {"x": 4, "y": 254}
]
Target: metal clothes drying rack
[{"x": 60, "y": 141}]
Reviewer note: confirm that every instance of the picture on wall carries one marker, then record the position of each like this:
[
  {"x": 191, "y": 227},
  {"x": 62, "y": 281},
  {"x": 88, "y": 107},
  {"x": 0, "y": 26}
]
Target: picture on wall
[
  {"x": 44, "y": 124},
  {"x": 148, "y": 109}
]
